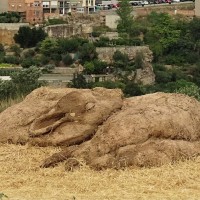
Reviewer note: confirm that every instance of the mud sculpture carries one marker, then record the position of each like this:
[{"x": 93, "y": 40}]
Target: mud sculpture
[{"x": 104, "y": 130}]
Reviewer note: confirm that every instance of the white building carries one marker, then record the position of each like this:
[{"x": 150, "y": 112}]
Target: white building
[
  {"x": 3, "y": 6},
  {"x": 64, "y": 6},
  {"x": 197, "y": 8}
]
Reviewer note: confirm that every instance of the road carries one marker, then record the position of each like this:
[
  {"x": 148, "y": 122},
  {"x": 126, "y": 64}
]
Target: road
[{"x": 166, "y": 4}]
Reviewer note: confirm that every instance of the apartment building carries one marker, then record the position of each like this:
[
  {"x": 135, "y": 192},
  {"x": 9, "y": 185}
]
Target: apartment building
[
  {"x": 62, "y": 7},
  {"x": 197, "y": 8},
  {"x": 30, "y": 10},
  {"x": 3, "y": 6}
]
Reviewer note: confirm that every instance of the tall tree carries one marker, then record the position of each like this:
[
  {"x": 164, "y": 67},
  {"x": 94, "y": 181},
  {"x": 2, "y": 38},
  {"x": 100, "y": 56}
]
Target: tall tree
[
  {"x": 125, "y": 23},
  {"x": 28, "y": 37}
]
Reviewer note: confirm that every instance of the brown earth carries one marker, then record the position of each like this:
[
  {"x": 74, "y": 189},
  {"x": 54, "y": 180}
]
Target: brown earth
[{"x": 104, "y": 130}]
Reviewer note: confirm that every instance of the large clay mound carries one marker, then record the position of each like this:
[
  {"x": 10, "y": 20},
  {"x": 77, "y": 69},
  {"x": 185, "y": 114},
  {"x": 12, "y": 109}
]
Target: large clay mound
[
  {"x": 59, "y": 117},
  {"x": 102, "y": 129}
]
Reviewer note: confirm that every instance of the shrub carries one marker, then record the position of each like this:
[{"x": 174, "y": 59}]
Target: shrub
[
  {"x": 89, "y": 68},
  {"x": 68, "y": 45},
  {"x": 67, "y": 59},
  {"x": 26, "y": 80},
  {"x": 27, "y": 37},
  {"x": 27, "y": 62},
  {"x": 132, "y": 89},
  {"x": 48, "y": 68},
  {"x": 109, "y": 84},
  {"x": 29, "y": 53},
  {"x": 79, "y": 81},
  {"x": 192, "y": 90},
  {"x": 120, "y": 60},
  {"x": 102, "y": 42},
  {"x": 1, "y": 48},
  {"x": 49, "y": 47},
  {"x": 87, "y": 52},
  {"x": 16, "y": 49},
  {"x": 139, "y": 60},
  {"x": 12, "y": 60},
  {"x": 55, "y": 21}
]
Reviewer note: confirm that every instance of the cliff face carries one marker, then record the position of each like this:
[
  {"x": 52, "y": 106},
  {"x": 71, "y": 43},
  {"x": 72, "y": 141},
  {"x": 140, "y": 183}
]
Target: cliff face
[{"x": 145, "y": 74}]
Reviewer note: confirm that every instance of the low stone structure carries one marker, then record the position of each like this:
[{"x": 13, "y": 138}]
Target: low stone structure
[
  {"x": 8, "y": 30},
  {"x": 145, "y": 74},
  {"x": 68, "y": 30}
]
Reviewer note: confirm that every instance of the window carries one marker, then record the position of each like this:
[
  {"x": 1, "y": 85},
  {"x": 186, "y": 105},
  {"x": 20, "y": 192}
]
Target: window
[{"x": 36, "y": 3}]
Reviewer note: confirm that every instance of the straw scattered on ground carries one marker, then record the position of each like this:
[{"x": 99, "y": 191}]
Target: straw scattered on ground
[{"x": 22, "y": 179}]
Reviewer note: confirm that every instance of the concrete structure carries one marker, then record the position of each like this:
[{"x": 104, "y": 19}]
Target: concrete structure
[
  {"x": 197, "y": 8},
  {"x": 4, "y": 6},
  {"x": 30, "y": 10}
]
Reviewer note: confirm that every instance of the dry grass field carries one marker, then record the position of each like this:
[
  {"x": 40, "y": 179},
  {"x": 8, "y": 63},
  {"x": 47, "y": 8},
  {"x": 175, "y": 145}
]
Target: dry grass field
[{"x": 22, "y": 179}]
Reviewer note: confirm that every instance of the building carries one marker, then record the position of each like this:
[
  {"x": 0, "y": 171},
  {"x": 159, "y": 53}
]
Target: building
[
  {"x": 30, "y": 10},
  {"x": 197, "y": 8},
  {"x": 4, "y": 6},
  {"x": 53, "y": 8}
]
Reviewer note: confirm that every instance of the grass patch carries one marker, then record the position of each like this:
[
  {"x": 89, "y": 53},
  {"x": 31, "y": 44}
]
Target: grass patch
[
  {"x": 7, "y": 103},
  {"x": 5, "y": 65}
]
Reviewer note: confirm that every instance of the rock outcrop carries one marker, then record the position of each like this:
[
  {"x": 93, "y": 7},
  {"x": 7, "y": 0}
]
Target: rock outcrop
[{"x": 104, "y": 130}]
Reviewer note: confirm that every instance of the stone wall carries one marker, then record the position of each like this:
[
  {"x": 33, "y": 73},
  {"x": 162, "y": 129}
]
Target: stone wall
[
  {"x": 106, "y": 53},
  {"x": 145, "y": 74},
  {"x": 68, "y": 30},
  {"x": 8, "y": 30}
]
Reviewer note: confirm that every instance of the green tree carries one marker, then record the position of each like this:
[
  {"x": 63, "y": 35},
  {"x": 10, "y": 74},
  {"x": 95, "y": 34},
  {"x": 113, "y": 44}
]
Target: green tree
[
  {"x": 67, "y": 59},
  {"x": 79, "y": 81},
  {"x": 125, "y": 23},
  {"x": 26, "y": 80},
  {"x": 49, "y": 46},
  {"x": 120, "y": 60},
  {"x": 27, "y": 37},
  {"x": 162, "y": 33},
  {"x": 87, "y": 52},
  {"x": 16, "y": 49}
]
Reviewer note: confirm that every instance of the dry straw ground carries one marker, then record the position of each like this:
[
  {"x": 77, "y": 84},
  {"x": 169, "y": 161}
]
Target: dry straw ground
[{"x": 22, "y": 179}]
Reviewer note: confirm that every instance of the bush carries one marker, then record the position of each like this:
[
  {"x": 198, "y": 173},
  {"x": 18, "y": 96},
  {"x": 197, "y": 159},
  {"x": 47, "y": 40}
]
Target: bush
[
  {"x": 27, "y": 62},
  {"x": 109, "y": 84},
  {"x": 55, "y": 21},
  {"x": 16, "y": 49},
  {"x": 12, "y": 60},
  {"x": 96, "y": 34},
  {"x": 43, "y": 60},
  {"x": 27, "y": 37},
  {"x": 133, "y": 89},
  {"x": 2, "y": 48},
  {"x": 191, "y": 90},
  {"x": 120, "y": 60},
  {"x": 139, "y": 60},
  {"x": 67, "y": 59},
  {"x": 48, "y": 68},
  {"x": 89, "y": 68},
  {"x": 87, "y": 52},
  {"x": 26, "y": 80},
  {"x": 68, "y": 45},
  {"x": 9, "y": 17},
  {"x": 102, "y": 42},
  {"x": 29, "y": 53},
  {"x": 49, "y": 47},
  {"x": 79, "y": 81}
]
